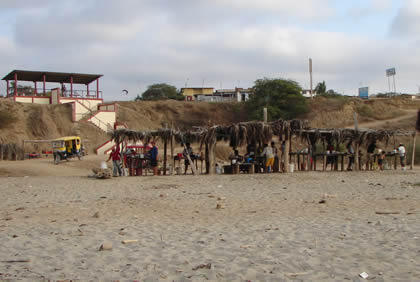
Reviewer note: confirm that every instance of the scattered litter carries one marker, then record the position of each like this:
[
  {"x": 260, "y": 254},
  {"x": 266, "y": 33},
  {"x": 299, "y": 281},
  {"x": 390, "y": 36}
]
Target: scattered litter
[
  {"x": 296, "y": 274},
  {"x": 19, "y": 209},
  {"x": 220, "y": 206},
  {"x": 105, "y": 247},
  {"x": 387, "y": 212},
  {"x": 245, "y": 246},
  {"x": 102, "y": 173},
  {"x": 201, "y": 266},
  {"x": 219, "y": 186},
  {"x": 129, "y": 241},
  {"x": 96, "y": 215},
  {"x": 211, "y": 196},
  {"x": 19, "y": 260},
  {"x": 364, "y": 275},
  {"x": 322, "y": 201},
  {"x": 221, "y": 198}
]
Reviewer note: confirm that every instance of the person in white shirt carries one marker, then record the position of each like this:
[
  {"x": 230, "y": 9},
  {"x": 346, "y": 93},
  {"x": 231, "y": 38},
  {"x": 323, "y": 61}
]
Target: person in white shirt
[
  {"x": 401, "y": 152},
  {"x": 269, "y": 157}
]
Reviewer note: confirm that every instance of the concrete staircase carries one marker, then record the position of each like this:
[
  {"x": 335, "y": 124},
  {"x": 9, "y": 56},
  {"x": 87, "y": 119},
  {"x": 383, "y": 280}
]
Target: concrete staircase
[{"x": 106, "y": 147}]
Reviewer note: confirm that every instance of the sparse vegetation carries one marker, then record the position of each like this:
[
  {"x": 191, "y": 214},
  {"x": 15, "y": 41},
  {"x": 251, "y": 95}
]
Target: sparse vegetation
[
  {"x": 6, "y": 119},
  {"x": 364, "y": 111}
]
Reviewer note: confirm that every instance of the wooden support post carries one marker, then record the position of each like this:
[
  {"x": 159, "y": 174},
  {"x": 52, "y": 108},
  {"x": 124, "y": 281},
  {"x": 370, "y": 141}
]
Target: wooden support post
[
  {"x": 172, "y": 153},
  {"x": 395, "y": 161},
  {"x": 212, "y": 157},
  {"x": 356, "y": 157},
  {"x": 342, "y": 162},
  {"x": 235, "y": 169},
  {"x": 165, "y": 151},
  {"x": 207, "y": 158},
  {"x": 413, "y": 155},
  {"x": 314, "y": 162},
  {"x": 298, "y": 162},
  {"x": 251, "y": 169},
  {"x": 265, "y": 115},
  {"x": 324, "y": 162},
  {"x": 1, "y": 152},
  {"x": 286, "y": 151}
]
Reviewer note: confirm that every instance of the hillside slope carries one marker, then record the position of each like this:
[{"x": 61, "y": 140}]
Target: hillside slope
[{"x": 29, "y": 121}]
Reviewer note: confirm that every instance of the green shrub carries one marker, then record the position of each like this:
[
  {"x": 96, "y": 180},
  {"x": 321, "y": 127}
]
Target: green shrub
[{"x": 364, "y": 111}]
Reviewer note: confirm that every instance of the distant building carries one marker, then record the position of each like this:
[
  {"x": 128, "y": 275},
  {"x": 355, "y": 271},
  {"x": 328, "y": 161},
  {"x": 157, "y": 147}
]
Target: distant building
[
  {"x": 226, "y": 95},
  {"x": 307, "y": 93},
  {"x": 191, "y": 93}
]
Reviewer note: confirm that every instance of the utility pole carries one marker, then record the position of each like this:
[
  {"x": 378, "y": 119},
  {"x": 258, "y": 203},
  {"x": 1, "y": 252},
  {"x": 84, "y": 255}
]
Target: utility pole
[{"x": 310, "y": 75}]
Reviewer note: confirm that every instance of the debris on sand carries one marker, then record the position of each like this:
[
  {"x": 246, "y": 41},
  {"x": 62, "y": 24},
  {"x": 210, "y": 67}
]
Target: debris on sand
[
  {"x": 107, "y": 246},
  {"x": 201, "y": 266},
  {"x": 102, "y": 173}
]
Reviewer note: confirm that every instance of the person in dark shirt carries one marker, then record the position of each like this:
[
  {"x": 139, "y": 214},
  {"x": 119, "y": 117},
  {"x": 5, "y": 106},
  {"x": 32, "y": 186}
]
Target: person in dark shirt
[
  {"x": 154, "y": 157},
  {"x": 369, "y": 156}
]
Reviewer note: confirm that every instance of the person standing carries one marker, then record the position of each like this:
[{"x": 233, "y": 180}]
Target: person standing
[
  {"x": 187, "y": 152},
  {"x": 154, "y": 158},
  {"x": 276, "y": 165},
  {"x": 402, "y": 153},
  {"x": 369, "y": 157},
  {"x": 269, "y": 157},
  {"x": 116, "y": 161}
]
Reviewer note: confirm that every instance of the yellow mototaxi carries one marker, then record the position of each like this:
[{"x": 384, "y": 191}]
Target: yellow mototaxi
[{"x": 68, "y": 147}]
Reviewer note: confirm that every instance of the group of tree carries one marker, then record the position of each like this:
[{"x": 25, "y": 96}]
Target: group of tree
[
  {"x": 283, "y": 99},
  {"x": 160, "y": 91},
  {"x": 321, "y": 90}
]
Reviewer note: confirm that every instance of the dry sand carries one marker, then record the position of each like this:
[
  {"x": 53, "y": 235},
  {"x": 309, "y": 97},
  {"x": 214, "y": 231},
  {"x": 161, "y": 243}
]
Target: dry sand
[{"x": 270, "y": 227}]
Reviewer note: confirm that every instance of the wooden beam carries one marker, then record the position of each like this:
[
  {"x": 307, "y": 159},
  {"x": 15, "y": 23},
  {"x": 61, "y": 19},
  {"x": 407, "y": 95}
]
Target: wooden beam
[
  {"x": 356, "y": 157},
  {"x": 286, "y": 151},
  {"x": 414, "y": 152},
  {"x": 165, "y": 152},
  {"x": 172, "y": 154}
]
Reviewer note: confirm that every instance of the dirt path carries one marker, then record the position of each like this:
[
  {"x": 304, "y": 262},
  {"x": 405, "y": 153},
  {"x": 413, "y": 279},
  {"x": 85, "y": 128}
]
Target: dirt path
[{"x": 382, "y": 123}]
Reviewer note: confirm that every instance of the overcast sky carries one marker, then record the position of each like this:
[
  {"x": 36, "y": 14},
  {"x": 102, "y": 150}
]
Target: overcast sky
[{"x": 215, "y": 43}]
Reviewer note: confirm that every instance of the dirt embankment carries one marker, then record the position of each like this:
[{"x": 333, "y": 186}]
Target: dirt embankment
[
  {"x": 378, "y": 113},
  {"x": 29, "y": 121},
  {"x": 157, "y": 114},
  {"x": 20, "y": 122}
]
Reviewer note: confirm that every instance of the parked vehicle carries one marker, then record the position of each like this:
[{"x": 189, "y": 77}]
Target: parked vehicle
[{"x": 66, "y": 148}]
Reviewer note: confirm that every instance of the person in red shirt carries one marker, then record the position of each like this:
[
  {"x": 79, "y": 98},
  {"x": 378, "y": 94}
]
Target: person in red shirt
[{"x": 116, "y": 162}]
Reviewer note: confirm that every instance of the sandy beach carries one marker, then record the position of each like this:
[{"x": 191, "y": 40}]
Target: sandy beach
[{"x": 314, "y": 226}]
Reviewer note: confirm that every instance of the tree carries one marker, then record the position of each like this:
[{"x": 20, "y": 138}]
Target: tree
[
  {"x": 283, "y": 99},
  {"x": 321, "y": 88},
  {"x": 160, "y": 91}
]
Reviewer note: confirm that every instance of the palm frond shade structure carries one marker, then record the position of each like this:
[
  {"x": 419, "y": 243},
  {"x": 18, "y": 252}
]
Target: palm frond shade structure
[{"x": 256, "y": 132}]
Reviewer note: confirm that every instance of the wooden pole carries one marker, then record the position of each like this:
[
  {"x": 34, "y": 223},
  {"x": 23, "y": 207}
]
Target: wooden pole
[
  {"x": 212, "y": 157},
  {"x": 356, "y": 157},
  {"x": 1, "y": 152},
  {"x": 265, "y": 115},
  {"x": 172, "y": 152},
  {"x": 207, "y": 158},
  {"x": 414, "y": 151},
  {"x": 286, "y": 151},
  {"x": 165, "y": 151}
]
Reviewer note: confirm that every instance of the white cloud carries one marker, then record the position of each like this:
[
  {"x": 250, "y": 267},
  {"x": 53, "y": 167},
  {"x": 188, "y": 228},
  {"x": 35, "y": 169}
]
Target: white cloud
[
  {"x": 407, "y": 22},
  {"x": 225, "y": 43}
]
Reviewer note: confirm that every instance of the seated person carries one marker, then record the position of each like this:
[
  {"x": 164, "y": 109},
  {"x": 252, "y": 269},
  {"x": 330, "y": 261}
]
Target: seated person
[
  {"x": 235, "y": 156},
  {"x": 250, "y": 154}
]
